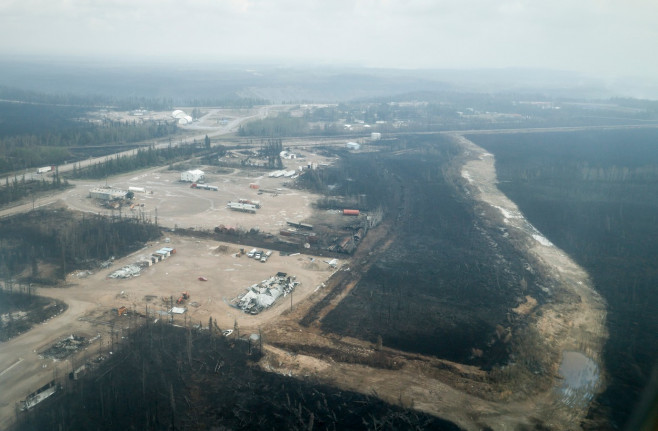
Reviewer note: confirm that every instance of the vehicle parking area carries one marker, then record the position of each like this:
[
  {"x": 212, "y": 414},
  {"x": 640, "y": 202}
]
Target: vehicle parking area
[{"x": 176, "y": 204}]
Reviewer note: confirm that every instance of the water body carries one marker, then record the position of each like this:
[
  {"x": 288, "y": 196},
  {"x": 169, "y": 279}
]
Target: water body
[{"x": 581, "y": 378}]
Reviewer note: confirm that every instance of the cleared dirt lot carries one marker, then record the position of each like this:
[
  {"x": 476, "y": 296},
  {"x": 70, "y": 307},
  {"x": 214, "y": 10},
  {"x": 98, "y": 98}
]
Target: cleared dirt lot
[
  {"x": 23, "y": 369},
  {"x": 91, "y": 298},
  {"x": 177, "y": 205},
  {"x": 227, "y": 275}
]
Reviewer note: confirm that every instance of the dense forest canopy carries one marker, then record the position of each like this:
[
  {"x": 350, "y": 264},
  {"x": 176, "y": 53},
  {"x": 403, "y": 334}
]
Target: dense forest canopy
[{"x": 36, "y": 135}]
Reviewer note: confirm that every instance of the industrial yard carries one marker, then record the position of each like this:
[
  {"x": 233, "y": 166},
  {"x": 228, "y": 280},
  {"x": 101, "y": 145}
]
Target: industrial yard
[
  {"x": 180, "y": 279},
  {"x": 211, "y": 272},
  {"x": 177, "y": 204}
]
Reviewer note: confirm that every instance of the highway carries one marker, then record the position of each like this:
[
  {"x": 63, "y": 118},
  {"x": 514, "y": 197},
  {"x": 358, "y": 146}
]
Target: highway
[{"x": 200, "y": 129}]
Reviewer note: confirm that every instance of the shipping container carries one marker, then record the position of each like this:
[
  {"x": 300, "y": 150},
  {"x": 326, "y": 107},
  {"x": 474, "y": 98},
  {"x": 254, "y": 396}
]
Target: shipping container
[{"x": 351, "y": 212}]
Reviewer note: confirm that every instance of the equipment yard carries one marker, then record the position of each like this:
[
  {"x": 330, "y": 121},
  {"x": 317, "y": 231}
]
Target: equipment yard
[
  {"x": 180, "y": 278},
  {"x": 97, "y": 297},
  {"x": 362, "y": 322},
  {"x": 178, "y": 205}
]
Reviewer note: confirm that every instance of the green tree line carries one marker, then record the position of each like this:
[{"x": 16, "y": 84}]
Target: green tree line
[
  {"x": 144, "y": 158},
  {"x": 280, "y": 126},
  {"x": 17, "y": 189},
  {"x": 57, "y": 145}
]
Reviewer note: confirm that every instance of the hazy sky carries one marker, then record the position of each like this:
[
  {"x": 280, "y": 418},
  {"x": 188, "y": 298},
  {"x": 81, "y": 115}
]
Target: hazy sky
[{"x": 598, "y": 37}]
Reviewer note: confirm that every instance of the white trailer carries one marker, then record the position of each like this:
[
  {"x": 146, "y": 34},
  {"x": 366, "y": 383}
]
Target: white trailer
[
  {"x": 247, "y": 208},
  {"x": 44, "y": 169}
]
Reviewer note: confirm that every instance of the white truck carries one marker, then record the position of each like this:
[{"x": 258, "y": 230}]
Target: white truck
[{"x": 45, "y": 169}]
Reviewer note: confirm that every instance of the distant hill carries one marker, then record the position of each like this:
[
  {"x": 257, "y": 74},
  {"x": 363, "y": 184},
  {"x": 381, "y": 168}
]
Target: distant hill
[{"x": 194, "y": 84}]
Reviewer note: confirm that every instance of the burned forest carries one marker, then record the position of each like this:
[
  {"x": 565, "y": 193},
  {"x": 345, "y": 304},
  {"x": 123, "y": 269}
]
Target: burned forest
[
  {"x": 177, "y": 378},
  {"x": 60, "y": 240}
]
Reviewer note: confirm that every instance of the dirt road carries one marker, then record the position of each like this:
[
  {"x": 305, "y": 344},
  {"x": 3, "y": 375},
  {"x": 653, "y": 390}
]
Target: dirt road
[{"x": 576, "y": 326}]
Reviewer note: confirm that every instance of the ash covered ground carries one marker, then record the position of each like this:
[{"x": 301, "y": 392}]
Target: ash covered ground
[
  {"x": 447, "y": 283},
  {"x": 173, "y": 378}
]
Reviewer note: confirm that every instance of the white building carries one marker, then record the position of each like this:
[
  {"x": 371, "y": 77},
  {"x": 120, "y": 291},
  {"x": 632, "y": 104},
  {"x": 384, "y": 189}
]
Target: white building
[
  {"x": 182, "y": 117},
  {"x": 192, "y": 176},
  {"x": 107, "y": 193},
  {"x": 353, "y": 146}
]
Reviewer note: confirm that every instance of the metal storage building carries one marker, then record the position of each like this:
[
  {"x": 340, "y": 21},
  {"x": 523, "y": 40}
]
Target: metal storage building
[{"x": 107, "y": 193}]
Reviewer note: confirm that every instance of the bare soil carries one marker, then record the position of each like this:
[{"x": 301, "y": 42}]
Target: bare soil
[
  {"x": 175, "y": 204},
  {"x": 92, "y": 299}
]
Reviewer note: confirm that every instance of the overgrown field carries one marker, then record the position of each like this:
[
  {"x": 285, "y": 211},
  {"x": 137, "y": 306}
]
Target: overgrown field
[{"x": 594, "y": 195}]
